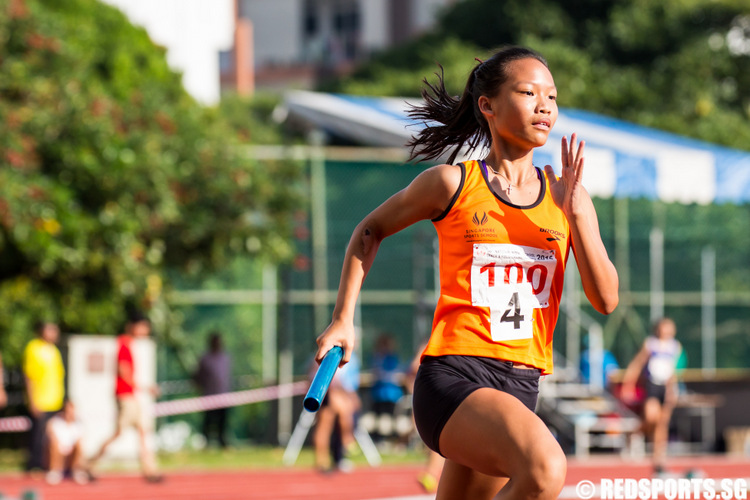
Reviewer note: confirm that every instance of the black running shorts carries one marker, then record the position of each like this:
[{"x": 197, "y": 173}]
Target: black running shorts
[
  {"x": 657, "y": 391},
  {"x": 443, "y": 383}
]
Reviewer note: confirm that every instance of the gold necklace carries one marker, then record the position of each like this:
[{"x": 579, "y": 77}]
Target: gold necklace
[{"x": 510, "y": 184}]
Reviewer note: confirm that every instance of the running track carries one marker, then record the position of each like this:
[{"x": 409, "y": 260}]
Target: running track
[{"x": 364, "y": 483}]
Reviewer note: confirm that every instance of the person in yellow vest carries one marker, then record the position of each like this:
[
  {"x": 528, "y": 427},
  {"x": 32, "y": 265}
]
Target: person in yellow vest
[
  {"x": 45, "y": 387},
  {"x": 506, "y": 228}
]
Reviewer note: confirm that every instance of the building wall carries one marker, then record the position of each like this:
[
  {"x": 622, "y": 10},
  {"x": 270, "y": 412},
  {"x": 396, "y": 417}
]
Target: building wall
[
  {"x": 425, "y": 12},
  {"x": 196, "y": 32},
  {"x": 375, "y": 28},
  {"x": 277, "y": 30},
  {"x": 193, "y": 32},
  {"x": 300, "y": 37}
]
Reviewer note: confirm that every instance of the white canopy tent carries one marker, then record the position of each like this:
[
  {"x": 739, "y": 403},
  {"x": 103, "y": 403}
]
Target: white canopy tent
[{"x": 623, "y": 159}]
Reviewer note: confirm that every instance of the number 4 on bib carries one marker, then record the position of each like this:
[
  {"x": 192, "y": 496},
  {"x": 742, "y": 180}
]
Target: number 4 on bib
[
  {"x": 512, "y": 281},
  {"x": 513, "y": 313}
]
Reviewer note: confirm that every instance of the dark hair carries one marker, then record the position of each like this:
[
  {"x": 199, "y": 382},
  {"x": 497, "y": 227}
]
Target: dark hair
[
  {"x": 453, "y": 121},
  {"x": 40, "y": 325},
  {"x": 214, "y": 341},
  {"x": 135, "y": 316}
]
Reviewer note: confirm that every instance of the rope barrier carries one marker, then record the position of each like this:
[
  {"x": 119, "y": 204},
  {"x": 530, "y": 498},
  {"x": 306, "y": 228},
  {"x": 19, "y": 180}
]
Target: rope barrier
[
  {"x": 203, "y": 403},
  {"x": 15, "y": 424},
  {"x": 193, "y": 405}
]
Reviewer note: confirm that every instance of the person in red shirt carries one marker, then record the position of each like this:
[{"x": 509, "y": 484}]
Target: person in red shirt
[{"x": 129, "y": 412}]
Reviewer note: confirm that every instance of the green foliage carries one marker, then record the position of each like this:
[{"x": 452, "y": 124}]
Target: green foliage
[
  {"x": 672, "y": 64},
  {"x": 400, "y": 73},
  {"x": 110, "y": 173},
  {"x": 250, "y": 118}
]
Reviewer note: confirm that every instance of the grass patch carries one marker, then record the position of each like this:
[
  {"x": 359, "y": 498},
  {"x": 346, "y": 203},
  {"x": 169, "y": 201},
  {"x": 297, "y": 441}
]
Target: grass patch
[
  {"x": 264, "y": 457},
  {"x": 246, "y": 457},
  {"x": 12, "y": 460}
]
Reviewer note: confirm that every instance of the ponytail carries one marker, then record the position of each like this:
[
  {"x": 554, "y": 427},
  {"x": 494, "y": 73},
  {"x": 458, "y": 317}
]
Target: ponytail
[{"x": 452, "y": 121}]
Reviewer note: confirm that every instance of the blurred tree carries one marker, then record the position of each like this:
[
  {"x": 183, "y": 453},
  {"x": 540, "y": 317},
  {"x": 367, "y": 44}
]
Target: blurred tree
[
  {"x": 678, "y": 65},
  {"x": 110, "y": 173}
]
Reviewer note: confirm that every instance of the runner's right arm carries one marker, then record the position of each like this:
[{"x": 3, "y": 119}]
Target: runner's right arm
[{"x": 426, "y": 197}]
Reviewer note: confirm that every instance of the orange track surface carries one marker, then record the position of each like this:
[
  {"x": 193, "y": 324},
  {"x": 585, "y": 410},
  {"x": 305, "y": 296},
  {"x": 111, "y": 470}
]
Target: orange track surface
[{"x": 363, "y": 483}]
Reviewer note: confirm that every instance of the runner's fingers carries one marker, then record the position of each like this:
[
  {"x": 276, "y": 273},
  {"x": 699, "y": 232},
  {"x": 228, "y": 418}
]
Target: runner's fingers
[
  {"x": 572, "y": 156},
  {"x": 579, "y": 171},
  {"x": 564, "y": 151}
]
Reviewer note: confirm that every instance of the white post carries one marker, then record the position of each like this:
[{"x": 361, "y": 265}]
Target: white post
[
  {"x": 286, "y": 362},
  {"x": 656, "y": 240},
  {"x": 319, "y": 216},
  {"x": 269, "y": 324},
  {"x": 708, "y": 310},
  {"x": 622, "y": 241},
  {"x": 286, "y": 369},
  {"x": 572, "y": 307},
  {"x": 596, "y": 358},
  {"x": 297, "y": 440}
]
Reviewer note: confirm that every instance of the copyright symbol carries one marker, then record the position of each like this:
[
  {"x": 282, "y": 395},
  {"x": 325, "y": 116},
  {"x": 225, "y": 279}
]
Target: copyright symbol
[{"x": 585, "y": 489}]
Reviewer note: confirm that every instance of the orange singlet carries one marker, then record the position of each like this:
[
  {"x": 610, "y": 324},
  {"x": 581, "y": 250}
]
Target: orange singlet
[{"x": 501, "y": 274}]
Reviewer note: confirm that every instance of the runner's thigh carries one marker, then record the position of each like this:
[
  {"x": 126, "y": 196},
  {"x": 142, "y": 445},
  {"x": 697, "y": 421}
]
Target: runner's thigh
[
  {"x": 459, "y": 481},
  {"x": 494, "y": 433}
]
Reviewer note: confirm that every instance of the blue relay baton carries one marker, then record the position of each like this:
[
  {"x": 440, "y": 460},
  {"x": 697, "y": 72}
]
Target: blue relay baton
[{"x": 322, "y": 379}]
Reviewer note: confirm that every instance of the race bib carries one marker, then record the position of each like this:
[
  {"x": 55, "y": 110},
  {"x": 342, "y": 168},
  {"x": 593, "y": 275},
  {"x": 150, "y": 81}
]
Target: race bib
[{"x": 512, "y": 280}]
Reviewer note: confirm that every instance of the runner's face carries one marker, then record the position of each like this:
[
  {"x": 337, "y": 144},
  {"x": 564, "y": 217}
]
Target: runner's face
[{"x": 525, "y": 109}]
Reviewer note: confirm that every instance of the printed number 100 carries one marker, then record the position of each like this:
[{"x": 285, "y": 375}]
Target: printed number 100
[{"x": 534, "y": 273}]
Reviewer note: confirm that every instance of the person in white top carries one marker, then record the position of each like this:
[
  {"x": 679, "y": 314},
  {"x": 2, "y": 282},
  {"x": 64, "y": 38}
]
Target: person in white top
[
  {"x": 657, "y": 360},
  {"x": 64, "y": 435}
]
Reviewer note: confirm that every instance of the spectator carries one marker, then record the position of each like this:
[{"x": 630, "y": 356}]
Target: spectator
[
  {"x": 608, "y": 366},
  {"x": 386, "y": 389},
  {"x": 429, "y": 477},
  {"x": 3, "y": 394},
  {"x": 129, "y": 410},
  {"x": 344, "y": 445},
  {"x": 334, "y": 428},
  {"x": 64, "y": 434},
  {"x": 213, "y": 377},
  {"x": 657, "y": 359},
  {"x": 44, "y": 375}
]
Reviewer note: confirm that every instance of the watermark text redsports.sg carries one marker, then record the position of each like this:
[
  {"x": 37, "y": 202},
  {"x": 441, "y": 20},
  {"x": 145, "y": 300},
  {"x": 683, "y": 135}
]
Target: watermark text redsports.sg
[{"x": 668, "y": 488}]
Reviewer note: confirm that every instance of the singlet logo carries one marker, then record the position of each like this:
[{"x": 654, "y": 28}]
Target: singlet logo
[
  {"x": 479, "y": 222},
  {"x": 553, "y": 234},
  {"x": 480, "y": 231}
]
